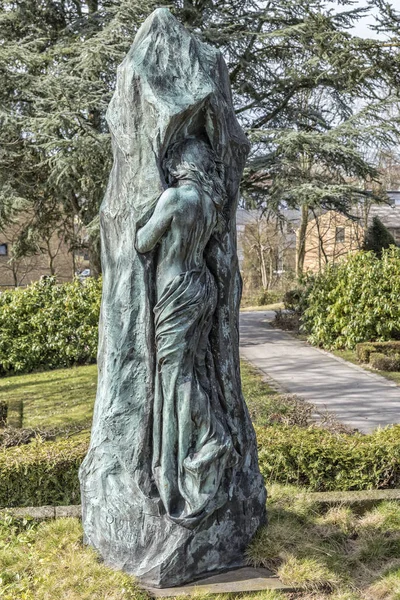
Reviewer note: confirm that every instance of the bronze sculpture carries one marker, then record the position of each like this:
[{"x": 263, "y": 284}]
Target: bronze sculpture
[{"x": 171, "y": 488}]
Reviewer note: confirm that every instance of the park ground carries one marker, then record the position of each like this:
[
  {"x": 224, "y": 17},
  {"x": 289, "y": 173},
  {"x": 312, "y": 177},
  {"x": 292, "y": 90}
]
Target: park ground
[{"x": 336, "y": 553}]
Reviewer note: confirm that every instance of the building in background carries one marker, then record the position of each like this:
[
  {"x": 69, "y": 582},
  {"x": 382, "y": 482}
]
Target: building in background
[
  {"x": 52, "y": 255},
  {"x": 331, "y": 236}
]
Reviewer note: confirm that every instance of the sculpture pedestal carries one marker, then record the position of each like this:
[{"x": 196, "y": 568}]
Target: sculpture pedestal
[{"x": 247, "y": 579}]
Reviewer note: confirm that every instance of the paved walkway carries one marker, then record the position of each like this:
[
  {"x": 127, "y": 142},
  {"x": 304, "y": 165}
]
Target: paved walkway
[{"x": 358, "y": 398}]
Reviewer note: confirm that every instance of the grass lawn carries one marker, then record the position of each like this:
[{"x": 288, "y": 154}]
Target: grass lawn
[
  {"x": 59, "y": 398},
  {"x": 275, "y": 306},
  {"x": 332, "y": 555},
  {"x": 65, "y": 397}
]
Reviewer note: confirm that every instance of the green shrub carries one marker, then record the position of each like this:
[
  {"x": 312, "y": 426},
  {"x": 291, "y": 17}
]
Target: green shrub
[
  {"x": 384, "y": 362},
  {"x": 292, "y": 299},
  {"x": 290, "y": 318},
  {"x": 48, "y": 325},
  {"x": 265, "y": 297},
  {"x": 363, "y": 351},
  {"x": 354, "y": 301},
  {"x": 378, "y": 237},
  {"x": 261, "y": 297},
  {"x": 323, "y": 461},
  {"x": 42, "y": 473}
]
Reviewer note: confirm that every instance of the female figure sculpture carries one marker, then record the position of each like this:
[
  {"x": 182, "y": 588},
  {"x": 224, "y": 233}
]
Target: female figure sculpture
[
  {"x": 191, "y": 441},
  {"x": 171, "y": 489}
]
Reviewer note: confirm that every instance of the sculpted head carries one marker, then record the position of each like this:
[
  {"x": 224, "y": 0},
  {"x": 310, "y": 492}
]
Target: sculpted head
[
  {"x": 194, "y": 159},
  {"x": 188, "y": 154}
]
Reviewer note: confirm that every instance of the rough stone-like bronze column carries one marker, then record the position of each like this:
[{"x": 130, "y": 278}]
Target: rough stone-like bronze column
[{"x": 171, "y": 488}]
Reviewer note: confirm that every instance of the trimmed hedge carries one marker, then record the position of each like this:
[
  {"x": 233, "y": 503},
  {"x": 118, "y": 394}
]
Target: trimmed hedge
[
  {"x": 384, "y": 362},
  {"x": 49, "y": 325},
  {"x": 43, "y": 473},
  {"x": 365, "y": 349},
  {"x": 322, "y": 461},
  {"x": 15, "y": 410},
  {"x": 3, "y": 413}
]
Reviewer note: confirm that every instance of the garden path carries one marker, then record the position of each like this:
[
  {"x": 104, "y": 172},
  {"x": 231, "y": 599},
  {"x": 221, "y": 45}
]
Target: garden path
[{"x": 357, "y": 397}]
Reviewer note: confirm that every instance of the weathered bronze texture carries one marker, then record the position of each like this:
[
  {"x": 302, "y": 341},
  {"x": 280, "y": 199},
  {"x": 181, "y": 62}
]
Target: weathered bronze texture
[{"x": 171, "y": 489}]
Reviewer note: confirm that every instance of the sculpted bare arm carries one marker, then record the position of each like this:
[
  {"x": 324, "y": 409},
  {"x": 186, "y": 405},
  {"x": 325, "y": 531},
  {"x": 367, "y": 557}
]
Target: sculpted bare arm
[{"x": 150, "y": 234}]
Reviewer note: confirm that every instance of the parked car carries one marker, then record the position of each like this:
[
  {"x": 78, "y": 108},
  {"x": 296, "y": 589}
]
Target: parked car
[{"x": 83, "y": 274}]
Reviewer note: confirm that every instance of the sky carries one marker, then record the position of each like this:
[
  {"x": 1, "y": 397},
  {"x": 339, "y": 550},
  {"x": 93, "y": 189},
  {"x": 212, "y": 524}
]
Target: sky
[{"x": 362, "y": 27}]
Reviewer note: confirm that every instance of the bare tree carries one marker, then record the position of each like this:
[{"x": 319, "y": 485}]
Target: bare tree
[{"x": 268, "y": 251}]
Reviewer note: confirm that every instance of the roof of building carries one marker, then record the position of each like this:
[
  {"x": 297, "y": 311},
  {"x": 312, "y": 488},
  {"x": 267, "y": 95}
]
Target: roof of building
[
  {"x": 389, "y": 215},
  {"x": 243, "y": 216}
]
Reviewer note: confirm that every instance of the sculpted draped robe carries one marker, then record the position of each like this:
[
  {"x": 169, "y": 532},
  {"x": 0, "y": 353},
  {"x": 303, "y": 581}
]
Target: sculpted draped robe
[{"x": 192, "y": 445}]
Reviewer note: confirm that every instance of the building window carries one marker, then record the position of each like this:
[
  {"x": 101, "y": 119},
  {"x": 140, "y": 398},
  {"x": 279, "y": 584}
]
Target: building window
[
  {"x": 340, "y": 234},
  {"x": 3, "y": 249}
]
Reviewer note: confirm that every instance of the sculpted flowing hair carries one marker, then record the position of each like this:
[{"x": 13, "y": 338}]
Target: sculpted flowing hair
[{"x": 207, "y": 171}]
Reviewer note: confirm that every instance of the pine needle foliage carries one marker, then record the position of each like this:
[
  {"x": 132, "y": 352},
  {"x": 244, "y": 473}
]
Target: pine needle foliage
[
  {"x": 297, "y": 75},
  {"x": 378, "y": 237}
]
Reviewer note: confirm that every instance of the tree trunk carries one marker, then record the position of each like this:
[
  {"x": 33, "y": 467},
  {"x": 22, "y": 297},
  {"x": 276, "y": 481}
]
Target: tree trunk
[
  {"x": 301, "y": 240},
  {"x": 264, "y": 277},
  {"x": 94, "y": 259},
  {"x": 15, "y": 275}
]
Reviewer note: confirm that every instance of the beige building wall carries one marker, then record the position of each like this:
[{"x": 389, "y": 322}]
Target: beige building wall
[
  {"x": 53, "y": 256},
  {"x": 329, "y": 238}
]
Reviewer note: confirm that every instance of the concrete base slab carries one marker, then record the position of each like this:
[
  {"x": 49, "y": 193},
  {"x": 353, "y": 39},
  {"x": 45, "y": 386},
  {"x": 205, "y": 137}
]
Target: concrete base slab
[{"x": 246, "y": 579}]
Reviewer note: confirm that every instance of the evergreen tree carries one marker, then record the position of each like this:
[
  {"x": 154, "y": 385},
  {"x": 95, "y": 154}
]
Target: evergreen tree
[
  {"x": 296, "y": 74},
  {"x": 378, "y": 237},
  {"x": 58, "y": 61}
]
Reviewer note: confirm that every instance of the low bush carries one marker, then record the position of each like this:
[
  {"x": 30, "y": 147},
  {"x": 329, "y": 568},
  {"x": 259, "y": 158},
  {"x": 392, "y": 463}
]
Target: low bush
[
  {"x": 290, "y": 318},
  {"x": 261, "y": 297},
  {"x": 287, "y": 320},
  {"x": 292, "y": 299},
  {"x": 382, "y": 362},
  {"x": 364, "y": 351},
  {"x": 268, "y": 297},
  {"x": 48, "y": 325},
  {"x": 43, "y": 473},
  {"x": 323, "y": 461},
  {"x": 354, "y": 301}
]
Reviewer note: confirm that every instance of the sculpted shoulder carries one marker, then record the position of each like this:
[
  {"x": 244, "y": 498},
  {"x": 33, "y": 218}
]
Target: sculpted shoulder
[
  {"x": 181, "y": 201},
  {"x": 188, "y": 196}
]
